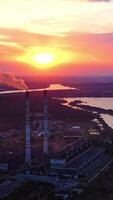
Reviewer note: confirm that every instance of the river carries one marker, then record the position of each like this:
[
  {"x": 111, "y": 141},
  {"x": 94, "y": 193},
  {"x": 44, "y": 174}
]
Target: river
[{"x": 104, "y": 103}]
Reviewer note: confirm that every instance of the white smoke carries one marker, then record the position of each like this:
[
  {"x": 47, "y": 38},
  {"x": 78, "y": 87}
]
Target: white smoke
[{"x": 12, "y": 81}]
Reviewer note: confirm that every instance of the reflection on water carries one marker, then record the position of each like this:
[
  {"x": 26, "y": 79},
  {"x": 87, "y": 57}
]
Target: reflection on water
[
  {"x": 60, "y": 87},
  {"x": 108, "y": 119},
  {"x": 51, "y": 87},
  {"x": 104, "y": 103},
  {"x": 68, "y": 101}
]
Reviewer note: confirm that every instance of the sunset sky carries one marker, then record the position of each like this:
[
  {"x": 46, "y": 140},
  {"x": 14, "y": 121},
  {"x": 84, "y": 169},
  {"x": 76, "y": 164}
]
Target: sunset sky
[{"x": 56, "y": 37}]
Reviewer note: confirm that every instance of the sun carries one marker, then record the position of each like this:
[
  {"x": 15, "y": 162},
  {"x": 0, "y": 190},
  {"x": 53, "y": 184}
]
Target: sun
[{"x": 44, "y": 58}]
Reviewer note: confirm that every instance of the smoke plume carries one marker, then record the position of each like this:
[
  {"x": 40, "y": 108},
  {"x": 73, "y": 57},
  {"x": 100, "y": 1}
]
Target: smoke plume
[{"x": 11, "y": 80}]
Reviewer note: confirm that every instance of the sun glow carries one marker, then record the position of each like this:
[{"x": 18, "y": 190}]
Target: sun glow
[{"x": 43, "y": 58}]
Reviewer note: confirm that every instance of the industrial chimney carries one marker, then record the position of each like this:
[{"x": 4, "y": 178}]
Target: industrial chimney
[
  {"x": 28, "y": 133},
  {"x": 46, "y": 132}
]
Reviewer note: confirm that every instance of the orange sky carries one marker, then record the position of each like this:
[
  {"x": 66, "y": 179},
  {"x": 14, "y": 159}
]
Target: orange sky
[{"x": 76, "y": 34}]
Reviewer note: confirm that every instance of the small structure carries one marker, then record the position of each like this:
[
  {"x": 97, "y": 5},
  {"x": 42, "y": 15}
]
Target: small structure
[
  {"x": 57, "y": 163},
  {"x": 3, "y": 167},
  {"x": 73, "y": 132},
  {"x": 93, "y": 132}
]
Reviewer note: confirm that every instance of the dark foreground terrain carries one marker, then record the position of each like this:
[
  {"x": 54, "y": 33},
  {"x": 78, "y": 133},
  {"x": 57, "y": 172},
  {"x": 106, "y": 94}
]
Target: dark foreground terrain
[
  {"x": 33, "y": 191},
  {"x": 12, "y": 116}
]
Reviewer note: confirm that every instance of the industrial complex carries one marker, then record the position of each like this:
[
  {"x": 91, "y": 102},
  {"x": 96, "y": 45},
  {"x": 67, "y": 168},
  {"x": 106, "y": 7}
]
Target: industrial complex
[{"x": 70, "y": 168}]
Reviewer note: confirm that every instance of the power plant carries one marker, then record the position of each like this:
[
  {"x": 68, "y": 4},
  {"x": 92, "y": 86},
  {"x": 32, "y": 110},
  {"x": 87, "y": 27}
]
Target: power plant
[{"x": 74, "y": 165}]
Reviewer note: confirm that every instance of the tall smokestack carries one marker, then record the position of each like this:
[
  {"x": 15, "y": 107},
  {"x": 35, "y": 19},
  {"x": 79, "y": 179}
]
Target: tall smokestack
[
  {"x": 28, "y": 133},
  {"x": 45, "y": 147}
]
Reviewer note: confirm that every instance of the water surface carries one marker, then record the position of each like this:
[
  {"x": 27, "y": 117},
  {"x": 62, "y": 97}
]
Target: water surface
[{"x": 104, "y": 103}]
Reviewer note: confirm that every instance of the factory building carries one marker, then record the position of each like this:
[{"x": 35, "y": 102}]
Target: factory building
[{"x": 85, "y": 165}]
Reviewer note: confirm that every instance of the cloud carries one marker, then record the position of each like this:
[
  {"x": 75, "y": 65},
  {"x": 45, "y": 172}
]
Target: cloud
[
  {"x": 99, "y": 0},
  {"x": 86, "y": 48},
  {"x": 58, "y": 16},
  {"x": 23, "y": 37},
  {"x": 16, "y": 43}
]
